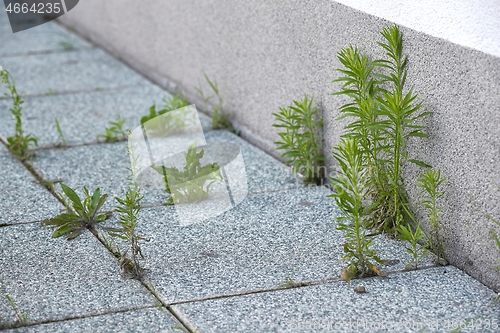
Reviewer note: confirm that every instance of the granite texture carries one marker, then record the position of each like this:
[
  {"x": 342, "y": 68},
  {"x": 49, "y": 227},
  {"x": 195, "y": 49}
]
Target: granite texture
[
  {"x": 430, "y": 300},
  {"x": 23, "y": 198},
  {"x": 83, "y": 70},
  {"x": 59, "y": 279}
]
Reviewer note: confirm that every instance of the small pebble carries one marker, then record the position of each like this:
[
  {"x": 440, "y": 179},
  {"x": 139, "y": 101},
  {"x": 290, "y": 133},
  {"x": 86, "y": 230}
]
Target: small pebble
[{"x": 360, "y": 289}]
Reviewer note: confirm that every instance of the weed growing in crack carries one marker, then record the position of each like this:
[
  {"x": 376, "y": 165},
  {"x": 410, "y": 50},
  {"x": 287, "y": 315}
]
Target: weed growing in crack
[
  {"x": 351, "y": 187},
  {"x": 62, "y": 141},
  {"x": 496, "y": 238},
  {"x": 298, "y": 140},
  {"x": 413, "y": 237},
  {"x": 20, "y": 144},
  {"x": 385, "y": 117},
  {"x": 128, "y": 209},
  {"x": 195, "y": 179},
  {"x": 288, "y": 283},
  {"x": 167, "y": 125},
  {"x": 67, "y": 46},
  {"x": 114, "y": 132},
  {"x": 430, "y": 181},
  {"x": 79, "y": 215},
  {"x": 170, "y": 104},
  {"x": 220, "y": 120},
  {"x": 21, "y": 318}
]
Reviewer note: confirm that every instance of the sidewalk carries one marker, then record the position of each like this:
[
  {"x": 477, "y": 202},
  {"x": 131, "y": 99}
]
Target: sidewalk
[{"x": 222, "y": 275}]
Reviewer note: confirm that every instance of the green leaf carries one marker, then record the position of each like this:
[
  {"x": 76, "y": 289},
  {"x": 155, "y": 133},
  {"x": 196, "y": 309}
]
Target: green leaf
[
  {"x": 420, "y": 163},
  {"x": 62, "y": 230},
  {"x": 75, "y": 199}
]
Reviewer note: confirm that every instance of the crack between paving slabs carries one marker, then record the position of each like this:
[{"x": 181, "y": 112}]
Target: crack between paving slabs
[
  {"x": 142, "y": 280},
  {"x": 294, "y": 286},
  {"x": 90, "y": 315},
  {"x": 79, "y": 91},
  {"x": 30, "y": 53}
]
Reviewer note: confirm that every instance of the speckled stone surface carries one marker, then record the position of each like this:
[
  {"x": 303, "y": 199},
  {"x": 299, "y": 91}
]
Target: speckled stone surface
[
  {"x": 83, "y": 116},
  {"x": 55, "y": 279},
  {"x": 136, "y": 321},
  {"x": 256, "y": 245},
  {"x": 86, "y": 70},
  {"x": 431, "y": 300},
  {"x": 53, "y": 38},
  {"x": 105, "y": 166},
  {"x": 22, "y": 198}
]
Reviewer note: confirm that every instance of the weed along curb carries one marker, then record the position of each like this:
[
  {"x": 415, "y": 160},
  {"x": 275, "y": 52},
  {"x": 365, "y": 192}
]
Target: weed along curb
[{"x": 178, "y": 224}]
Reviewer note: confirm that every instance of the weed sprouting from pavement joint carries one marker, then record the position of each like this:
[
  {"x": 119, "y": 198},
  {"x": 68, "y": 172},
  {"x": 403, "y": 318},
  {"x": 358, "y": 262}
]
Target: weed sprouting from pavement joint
[
  {"x": 430, "y": 181},
  {"x": 128, "y": 209},
  {"x": 62, "y": 141},
  {"x": 21, "y": 319},
  {"x": 220, "y": 119},
  {"x": 302, "y": 147},
  {"x": 196, "y": 179},
  {"x": 351, "y": 187},
  {"x": 78, "y": 215},
  {"x": 114, "y": 132},
  {"x": 413, "y": 237},
  {"x": 20, "y": 144},
  {"x": 170, "y": 104}
]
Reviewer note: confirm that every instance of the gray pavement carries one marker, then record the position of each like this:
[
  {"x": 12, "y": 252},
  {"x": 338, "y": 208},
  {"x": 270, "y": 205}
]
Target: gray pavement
[{"x": 224, "y": 274}]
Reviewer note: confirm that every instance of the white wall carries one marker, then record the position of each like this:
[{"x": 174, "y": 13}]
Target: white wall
[{"x": 475, "y": 24}]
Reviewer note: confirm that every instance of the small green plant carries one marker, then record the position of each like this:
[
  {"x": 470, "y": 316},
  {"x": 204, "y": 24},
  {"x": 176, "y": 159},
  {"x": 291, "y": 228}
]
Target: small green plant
[
  {"x": 351, "y": 187},
  {"x": 220, "y": 119},
  {"x": 430, "y": 181},
  {"x": 67, "y": 46},
  {"x": 128, "y": 209},
  {"x": 299, "y": 141},
  {"x": 79, "y": 215},
  {"x": 413, "y": 237},
  {"x": 288, "y": 283},
  {"x": 62, "y": 140},
  {"x": 115, "y": 131},
  {"x": 20, "y": 143},
  {"x": 385, "y": 117},
  {"x": 21, "y": 318},
  {"x": 167, "y": 125},
  {"x": 195, "y": 179},
  {"x": 50, "y": 92}
]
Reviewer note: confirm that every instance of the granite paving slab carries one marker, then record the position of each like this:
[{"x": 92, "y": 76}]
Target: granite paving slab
[
  {"x": 53, "y": 279},
  {"x": 134, "y": 321},
  {"x": 87, "y": 70},
  {"x": 257, "y": 245},
  {"x": 430, "y": 300},
  {"x": 105, "y": 166},
  {"x": 53, "y": 38},
  {"x": 23, "y": 199},
  {"x": 83, "y": 116}
]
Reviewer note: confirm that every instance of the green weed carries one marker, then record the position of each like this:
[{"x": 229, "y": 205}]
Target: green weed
[
  {"x": 62, "y": 140},
  {"x": 128, "y": 209},
  {"x": 430, "y": 181},
  {"x": 114, "y": 132},
  {"x": 167, "y": 125},
  {"x": 196, "y": 179},
  {"x": 351, "y": 187},
  {"x": 21, "y": 318},
  {"x": 220, "y": 120},
  {"x": 413, "y": 237},
  {"x": 67, "y": 46},
  {"x": 20, "y": 144},
  {"x": 79, "y": 215},
  {"x": 385, "y": 116},
  {"x": 302, "y": 149}
]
